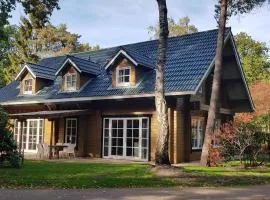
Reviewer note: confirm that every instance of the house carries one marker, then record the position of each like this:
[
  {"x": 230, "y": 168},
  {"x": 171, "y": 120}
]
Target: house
[{"x": 103, "y": 101}]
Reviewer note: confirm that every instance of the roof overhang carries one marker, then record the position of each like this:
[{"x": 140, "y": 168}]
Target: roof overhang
[
  {"x": 120, "y": 52},
  {"x": 26, "y": 67},
  {"x": 229, "y": 38},
  {"x": 64, "y": 64},
  {"x": 51, "y": 114},
  {"x": 85, "y": 99}
]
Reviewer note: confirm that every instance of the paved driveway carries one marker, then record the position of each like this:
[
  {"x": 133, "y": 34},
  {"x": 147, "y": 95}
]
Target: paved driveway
[{"x": 254, "y": 193}]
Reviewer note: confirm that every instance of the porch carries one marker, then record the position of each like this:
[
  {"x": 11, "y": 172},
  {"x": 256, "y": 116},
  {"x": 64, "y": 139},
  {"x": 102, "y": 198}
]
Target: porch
[{"x": 49, "y": 129}]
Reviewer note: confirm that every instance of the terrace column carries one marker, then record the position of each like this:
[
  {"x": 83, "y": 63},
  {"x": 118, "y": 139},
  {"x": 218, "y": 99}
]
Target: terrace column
[
  {"x": 21, "y": 135},
  {"x": 51, "y": 138}
]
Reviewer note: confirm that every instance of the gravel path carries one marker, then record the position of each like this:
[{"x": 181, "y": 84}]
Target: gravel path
[{"x": 237, "y": 193}]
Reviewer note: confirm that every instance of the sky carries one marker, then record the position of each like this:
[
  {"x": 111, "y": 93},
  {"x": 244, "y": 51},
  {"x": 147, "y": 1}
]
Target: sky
[{"x": 117, "y": 22}]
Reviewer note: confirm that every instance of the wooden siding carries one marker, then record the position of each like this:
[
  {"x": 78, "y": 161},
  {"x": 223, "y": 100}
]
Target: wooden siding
[
  {"x": 81, "y": 79},
  {"x": 121, "y": 64},
  {"x": 27, "y": 76}
]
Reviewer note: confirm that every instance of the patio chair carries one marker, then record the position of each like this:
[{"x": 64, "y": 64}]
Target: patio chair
[
  {"x": 68, "y": 151},
  {"x": 46, "y": 150},
  {"x": 40, "y": 152}
]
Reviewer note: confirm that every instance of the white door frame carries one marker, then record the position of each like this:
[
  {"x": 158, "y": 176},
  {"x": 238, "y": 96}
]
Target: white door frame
[
  {"x": 125, "y": 138},
  {"x": 27, "y": 133}
]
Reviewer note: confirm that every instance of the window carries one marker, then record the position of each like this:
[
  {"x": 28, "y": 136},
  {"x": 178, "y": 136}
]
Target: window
[
  {"x": 28, "y": 86},
  {"x": 71, "y": 131},
  {"x": 32, "y": 134},
  {"x": 123, "y": 76},
  {"x": 126, "y": 138},
  {"x": 70, "y": 82},
  {"x": 197, "y": 130},
  {"x": 216, "y": 132}
]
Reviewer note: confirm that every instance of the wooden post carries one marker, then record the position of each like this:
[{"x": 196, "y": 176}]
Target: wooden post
[
  {"x": 51, "y": 137},
  {"x": 21, "y": 136}
]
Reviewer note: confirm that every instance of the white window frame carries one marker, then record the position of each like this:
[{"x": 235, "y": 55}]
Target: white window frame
[
  {"x": 199, "y": 132},
  {"x": 66, "y": 130},
  {"x": 123, "y": 84},
  {"x": 71, "y": 88},
  {"x": 17, "y": 131},
  {"x": 28, "y": 86},
  {"x": 124, "y": 154}
]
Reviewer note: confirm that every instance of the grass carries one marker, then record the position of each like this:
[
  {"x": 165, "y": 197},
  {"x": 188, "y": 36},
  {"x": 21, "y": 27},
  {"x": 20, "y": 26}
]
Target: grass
[{"x": 46, "y": 174}]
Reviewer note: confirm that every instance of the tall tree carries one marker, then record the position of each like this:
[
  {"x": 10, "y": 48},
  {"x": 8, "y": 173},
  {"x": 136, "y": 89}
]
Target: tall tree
[
  {"x": 6, "y": 6},
  {"x": 162, "y": 156},
  {"x": 254, "y": 57},
  {"x": 216, "y": 84},
  {"x": 6, "y": 48},
  {"x": 183, "y": 27},
  {"x": 224, "y": 9},
  {"x": 39, "y": 11}
]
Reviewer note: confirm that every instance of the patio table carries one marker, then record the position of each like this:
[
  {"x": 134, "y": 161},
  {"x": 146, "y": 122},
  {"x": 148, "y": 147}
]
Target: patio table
[{"x": 58, "y": 147}]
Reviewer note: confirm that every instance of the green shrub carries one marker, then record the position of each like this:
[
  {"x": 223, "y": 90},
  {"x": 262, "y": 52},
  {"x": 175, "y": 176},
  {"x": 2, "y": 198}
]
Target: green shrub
[
  {"x": 244, "y": 142},
  {"x": 9, "y": 156}
]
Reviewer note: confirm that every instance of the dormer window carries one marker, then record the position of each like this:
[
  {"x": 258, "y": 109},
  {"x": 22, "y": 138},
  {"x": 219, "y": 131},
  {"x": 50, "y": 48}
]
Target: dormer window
[
  {"x": 70, "y": 82},
  {"x": 28, "y": 86},
  {"x": 123, "y": 76}
]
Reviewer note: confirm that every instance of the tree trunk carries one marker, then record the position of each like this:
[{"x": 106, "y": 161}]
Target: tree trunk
[
  {"x": 205, "y": 159},
  {"x": 162, "y": 156}
]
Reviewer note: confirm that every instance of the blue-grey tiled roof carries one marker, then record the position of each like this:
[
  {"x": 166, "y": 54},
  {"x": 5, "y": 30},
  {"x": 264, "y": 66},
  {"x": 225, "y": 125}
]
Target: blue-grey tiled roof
[
  {"x": 188, "y": 58},
  {"x": 84, "y": 65},
  {"x": 139, "y": 57},
  {"x": 41, "y": 71}
]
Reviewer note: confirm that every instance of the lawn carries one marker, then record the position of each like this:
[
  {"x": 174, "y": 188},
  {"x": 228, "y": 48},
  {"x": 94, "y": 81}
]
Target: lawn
[{"x": 45, "y": 174}]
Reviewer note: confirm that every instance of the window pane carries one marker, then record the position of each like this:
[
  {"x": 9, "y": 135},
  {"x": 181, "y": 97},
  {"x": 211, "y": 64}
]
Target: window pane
[
  {"x": 129, "y": 123},
  {"x": 144, "y": 123},
  {"x": 106, "y": 133},
  {"x": 135, "y": 142},
  {"x": 114, "y": 123},
  {"x": 144, "y": 153},
  {"x": 105, "y": 151},
  {"x": 106, "y": 141},
  {"x": 129, "y": 132},
  {"x": 136, "y": 152},
  {"x": 126, "y": 79},
  {"x": 120, "y": 132},
  {"x": 144, "y": 142},
  {"x": 119, "y": 151},
  {"x": 127, "y": 71},
  {"x": 144, "y": 133},
  {"x": 114, "y": 140},
  {"x": 120, "y": 124},
  {"x": 106, "y": 123},
  {"x": 129, "y": 152},
  {"x": 136, "y": 133},
  {"x": 136, "y": 123},
  {"x": 114, "y": 133},
  {"x": 113, "y": 152}
]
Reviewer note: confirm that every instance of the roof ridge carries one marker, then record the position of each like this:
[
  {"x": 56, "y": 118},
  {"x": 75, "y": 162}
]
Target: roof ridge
[
  {"x": 123, "y": 45},
  {"x": 83, "y": 59},
  {"x": 40, "y": 65}
]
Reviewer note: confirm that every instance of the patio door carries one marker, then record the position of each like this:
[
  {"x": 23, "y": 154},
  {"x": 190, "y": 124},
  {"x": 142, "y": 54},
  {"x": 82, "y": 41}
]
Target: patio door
[
  {"x": 126, "y": 138},
  {"x": 32, "y": 134}
]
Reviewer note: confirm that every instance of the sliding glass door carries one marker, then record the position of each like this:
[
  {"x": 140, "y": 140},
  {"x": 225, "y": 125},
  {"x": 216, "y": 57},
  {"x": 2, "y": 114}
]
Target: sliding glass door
[{"x": 126, "y": 138}]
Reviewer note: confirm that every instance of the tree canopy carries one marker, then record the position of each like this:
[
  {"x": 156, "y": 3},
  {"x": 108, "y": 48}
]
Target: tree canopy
[
  {"x": 182, "y": 27},
  {"x": 34, "y": 38},
  {"x": 254, "y": 56}
]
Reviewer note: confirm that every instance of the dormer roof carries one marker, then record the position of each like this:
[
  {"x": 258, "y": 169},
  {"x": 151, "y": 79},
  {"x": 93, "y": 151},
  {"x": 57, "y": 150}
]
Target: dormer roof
[
  {"x": 81, "y": 65},
  {"x": 37, "y": 71},
  {"x": 135, "y": 57}
]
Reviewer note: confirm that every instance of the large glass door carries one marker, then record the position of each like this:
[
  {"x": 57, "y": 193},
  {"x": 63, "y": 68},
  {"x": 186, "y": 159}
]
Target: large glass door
[
  {"x": 126, "y": 138},
  {"x": 32, "y": 134}
]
